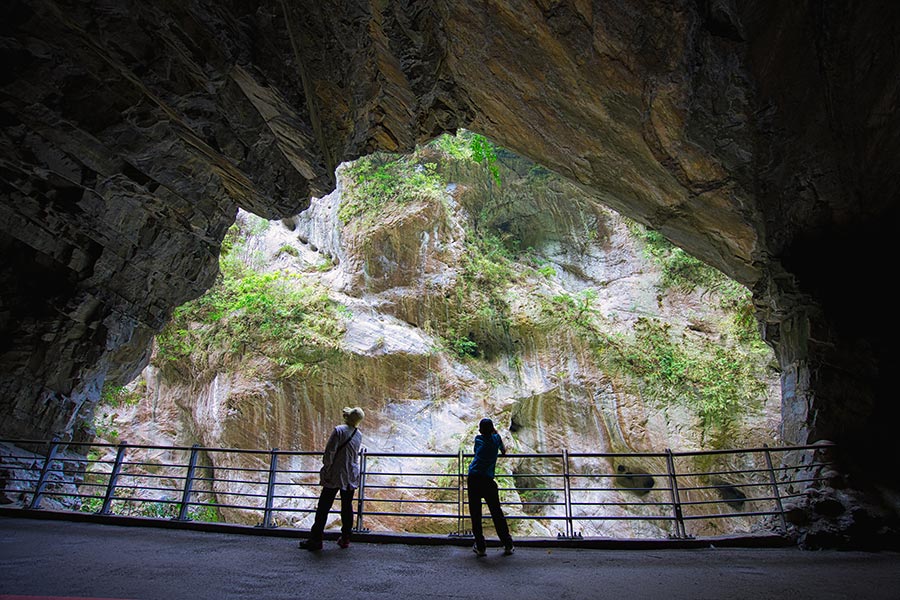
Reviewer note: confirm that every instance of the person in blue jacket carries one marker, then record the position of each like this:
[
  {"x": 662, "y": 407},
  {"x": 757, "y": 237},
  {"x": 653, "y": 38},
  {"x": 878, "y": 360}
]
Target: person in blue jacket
[{"x": 481, "y": 484}]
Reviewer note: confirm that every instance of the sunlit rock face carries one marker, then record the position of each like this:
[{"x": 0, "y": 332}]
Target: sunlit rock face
[
  {"x": 540, "y": 380},
  {"x": 412, "y": 243},
  {"x": 760, "y": 136}
]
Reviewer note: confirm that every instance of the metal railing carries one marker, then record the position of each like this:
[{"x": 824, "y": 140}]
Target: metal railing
[{"x": 672, "y": 494}]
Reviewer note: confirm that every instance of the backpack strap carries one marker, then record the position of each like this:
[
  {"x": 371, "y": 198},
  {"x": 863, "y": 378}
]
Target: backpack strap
[{"x": 349, "y": 439}]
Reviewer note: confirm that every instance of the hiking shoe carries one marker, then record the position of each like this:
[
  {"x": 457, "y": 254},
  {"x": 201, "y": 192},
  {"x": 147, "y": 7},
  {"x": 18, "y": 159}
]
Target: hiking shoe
[
  {"x": 310, "y": 545},
  {"x": 508, "y": 549},
  {"x": 478, "y": 551},
  {"x": 344, "y": 542}
]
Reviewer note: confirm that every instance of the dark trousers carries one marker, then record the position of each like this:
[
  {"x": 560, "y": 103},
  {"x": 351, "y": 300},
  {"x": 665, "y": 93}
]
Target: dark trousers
[
  {"x": 485, "y": 487},
  {"x": 326, "y": 500}
]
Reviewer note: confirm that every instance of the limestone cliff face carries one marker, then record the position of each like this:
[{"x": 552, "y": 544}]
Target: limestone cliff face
[
  {"x": 399, "y": 277},
  {"x": 761, "y": 136}
]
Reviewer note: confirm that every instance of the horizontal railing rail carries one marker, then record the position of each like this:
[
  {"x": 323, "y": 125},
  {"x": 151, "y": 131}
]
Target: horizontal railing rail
[{"x": 674, "y": 494}]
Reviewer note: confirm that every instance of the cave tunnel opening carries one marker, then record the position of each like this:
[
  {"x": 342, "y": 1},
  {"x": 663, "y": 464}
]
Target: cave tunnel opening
[
  {"x": 466, "y": 251},
  {"x": 459, "y": 279},
  {"x": 753, "y": 134}
]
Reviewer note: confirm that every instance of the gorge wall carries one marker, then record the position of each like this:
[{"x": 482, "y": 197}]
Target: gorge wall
[
  {"x": 500, "y": 291},
  {"x": 760, "y": 136}
]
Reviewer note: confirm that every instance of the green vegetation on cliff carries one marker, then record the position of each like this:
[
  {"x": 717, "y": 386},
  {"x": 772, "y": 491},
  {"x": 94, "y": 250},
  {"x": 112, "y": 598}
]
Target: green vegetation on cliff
[
  {"x": 467, "y": 146},
  {"x": 495, "y": 296},
  {"x": 679, "y": 269},
  {"x": 481, "y": 324},
  {"x": 682, "y": 271},
  {"x": 276, "y": 314},
  {"x": 719, "y": 382},
  {"x": 116, "y": 396},
  {"x": 375, "y": 180}
]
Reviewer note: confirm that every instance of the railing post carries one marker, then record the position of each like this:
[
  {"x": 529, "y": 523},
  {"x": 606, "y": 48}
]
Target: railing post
[
  {"x": 567, "y": 486},
  {"x": 460, "y": 495},
  {"x": 188, "y": 485},
  {"x": 113, "y": 477},
  {"x": 52, "y": 447},
  {"x": 676, "y": 498},
  {"x": 361, "y": 502},
  {"x": 270, "y": 489},
  {"x": 775, "y": 487}
]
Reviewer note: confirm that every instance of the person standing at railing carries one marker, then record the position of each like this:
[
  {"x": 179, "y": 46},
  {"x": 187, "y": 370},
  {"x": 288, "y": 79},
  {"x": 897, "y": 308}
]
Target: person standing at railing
[
  {"x": 339, "y": 474},
  {"x": 481, "y": 484}
]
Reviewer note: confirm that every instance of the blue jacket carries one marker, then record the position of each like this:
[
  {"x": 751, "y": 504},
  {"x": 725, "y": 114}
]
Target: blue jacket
[{"x": 486, "y": 450}]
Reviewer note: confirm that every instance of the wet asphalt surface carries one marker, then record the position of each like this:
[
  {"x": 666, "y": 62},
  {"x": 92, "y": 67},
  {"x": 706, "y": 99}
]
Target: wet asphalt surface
[{"x": 87, "y": 560}]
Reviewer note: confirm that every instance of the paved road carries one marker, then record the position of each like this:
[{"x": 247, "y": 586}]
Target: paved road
[{"x": 57, "y": 558}]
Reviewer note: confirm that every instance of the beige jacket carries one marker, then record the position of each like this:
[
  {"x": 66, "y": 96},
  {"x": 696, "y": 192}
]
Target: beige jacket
[{"x": 340, "y": 469}]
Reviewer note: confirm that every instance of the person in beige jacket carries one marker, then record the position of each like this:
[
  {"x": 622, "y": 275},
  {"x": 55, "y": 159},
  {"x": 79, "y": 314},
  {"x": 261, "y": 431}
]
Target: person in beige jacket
[{"x": 339, "y": 473}]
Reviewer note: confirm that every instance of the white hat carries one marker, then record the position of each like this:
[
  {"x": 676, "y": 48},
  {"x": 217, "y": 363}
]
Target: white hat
[{"x": 353, "y": 416}]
